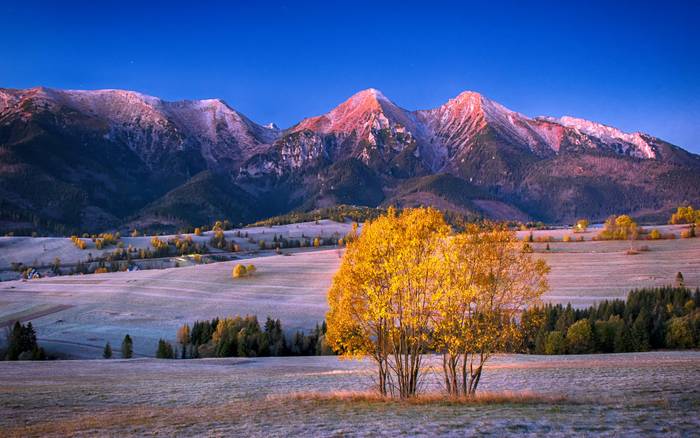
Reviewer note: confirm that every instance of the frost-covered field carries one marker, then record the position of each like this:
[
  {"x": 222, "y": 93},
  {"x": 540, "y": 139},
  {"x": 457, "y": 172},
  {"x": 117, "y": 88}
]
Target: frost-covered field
[
  {"x": 78, "y": 314},
  {"x": 610, "y": 395},
  {"x": 41, "y": 251},
  {"x": 154, "y": 303}
]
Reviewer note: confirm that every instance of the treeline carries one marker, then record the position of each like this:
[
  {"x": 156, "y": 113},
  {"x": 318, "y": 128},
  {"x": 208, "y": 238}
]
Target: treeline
[
  {"x": 657, "y": 318},
  {"x": 339, "y": 213},
  {"x": 242, "y": 337}
]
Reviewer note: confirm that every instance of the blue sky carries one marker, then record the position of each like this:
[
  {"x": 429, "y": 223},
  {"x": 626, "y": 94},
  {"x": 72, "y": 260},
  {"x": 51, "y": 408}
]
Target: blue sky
[{"x": 633, "y": 65}]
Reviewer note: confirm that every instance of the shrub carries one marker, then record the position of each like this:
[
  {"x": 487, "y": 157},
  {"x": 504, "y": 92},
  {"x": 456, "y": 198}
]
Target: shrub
[
  {"x": 654, "y": 234},
  {"x": 239, "y": 271},
  {"x": 566, "y": 238}
]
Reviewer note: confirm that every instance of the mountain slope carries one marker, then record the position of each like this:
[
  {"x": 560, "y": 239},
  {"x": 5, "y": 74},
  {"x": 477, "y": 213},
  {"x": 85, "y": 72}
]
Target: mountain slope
[{"x": 89, "y": 160}]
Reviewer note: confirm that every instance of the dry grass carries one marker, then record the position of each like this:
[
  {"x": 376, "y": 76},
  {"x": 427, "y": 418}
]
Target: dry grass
[{"x": 481, "y": 398}]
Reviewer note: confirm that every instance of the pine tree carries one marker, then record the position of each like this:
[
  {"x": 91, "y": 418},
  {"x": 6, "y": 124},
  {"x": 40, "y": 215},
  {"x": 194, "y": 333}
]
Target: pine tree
[
  {"x": 107, "y": 352},
  {"x": 127, "y": 347},
  {"x": 641, "y": 331},
  {"x": 623, "y": 339},
  {"x": 165, "y": 350}
]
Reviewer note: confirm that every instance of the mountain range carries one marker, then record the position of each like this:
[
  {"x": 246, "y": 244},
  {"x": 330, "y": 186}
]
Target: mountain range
[{"x": 104, "y": 159}]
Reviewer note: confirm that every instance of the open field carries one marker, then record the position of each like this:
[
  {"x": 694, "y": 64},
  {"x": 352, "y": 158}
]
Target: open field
[
  {"x": 76, "y": 315},
  {"x": 621, "y": 394},
  {"x": 41, "y": 251}
]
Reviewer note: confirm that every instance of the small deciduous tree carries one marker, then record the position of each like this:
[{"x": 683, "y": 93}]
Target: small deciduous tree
[
  {"x": 579, "y": 337},
  {"x": 380, "y": 300},
  {"x": 405, "y": 285},
  {"x": 183, "y": 338},
  {"x": 685, "y": 215},
  {"x": 555, "y": 343},
  {"x": 486, "y": 282},
  {"x": 619, "y": 228},
  {"x": 239, "y": 271},
  {"x": 581, "y": 226}
]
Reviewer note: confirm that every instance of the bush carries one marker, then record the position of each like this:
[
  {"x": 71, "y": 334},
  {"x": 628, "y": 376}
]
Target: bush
[
  {"x": 654, "y": 234},
  {"x": 239, "y": 271}
]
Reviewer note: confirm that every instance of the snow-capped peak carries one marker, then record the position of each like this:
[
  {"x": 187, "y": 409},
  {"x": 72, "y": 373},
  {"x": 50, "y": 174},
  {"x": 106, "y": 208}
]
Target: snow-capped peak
[{"x": 608, "y": 134}]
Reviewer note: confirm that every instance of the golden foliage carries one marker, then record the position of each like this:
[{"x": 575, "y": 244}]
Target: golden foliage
[
  {"x": 183, "y": 335},
  {"x": 580, "y": 226},
  {"x": 239, "y": 271},
  {"x": 685, "y": 215},
  {"x": 619, "y": 228},
  {"x": 406, "y": 285}
]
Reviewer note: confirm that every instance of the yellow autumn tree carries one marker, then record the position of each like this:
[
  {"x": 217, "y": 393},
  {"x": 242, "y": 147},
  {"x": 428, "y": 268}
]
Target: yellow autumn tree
[
  {"x": 183, "y": 338},
  {"x": 381, "y": 297},
  {"x": 581, "y": 226},
  {"x": 488, "y": 281},
  {"x": 685, "y": 215},
  {"x": 239, "y": 271}
]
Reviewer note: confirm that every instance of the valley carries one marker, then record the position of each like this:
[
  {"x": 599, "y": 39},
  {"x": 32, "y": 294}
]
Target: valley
[{"x": 85, "y": 311}]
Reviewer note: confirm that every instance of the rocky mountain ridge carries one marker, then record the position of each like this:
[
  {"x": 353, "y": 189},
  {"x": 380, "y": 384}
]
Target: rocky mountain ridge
[{"x": 105, "y": 158}]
